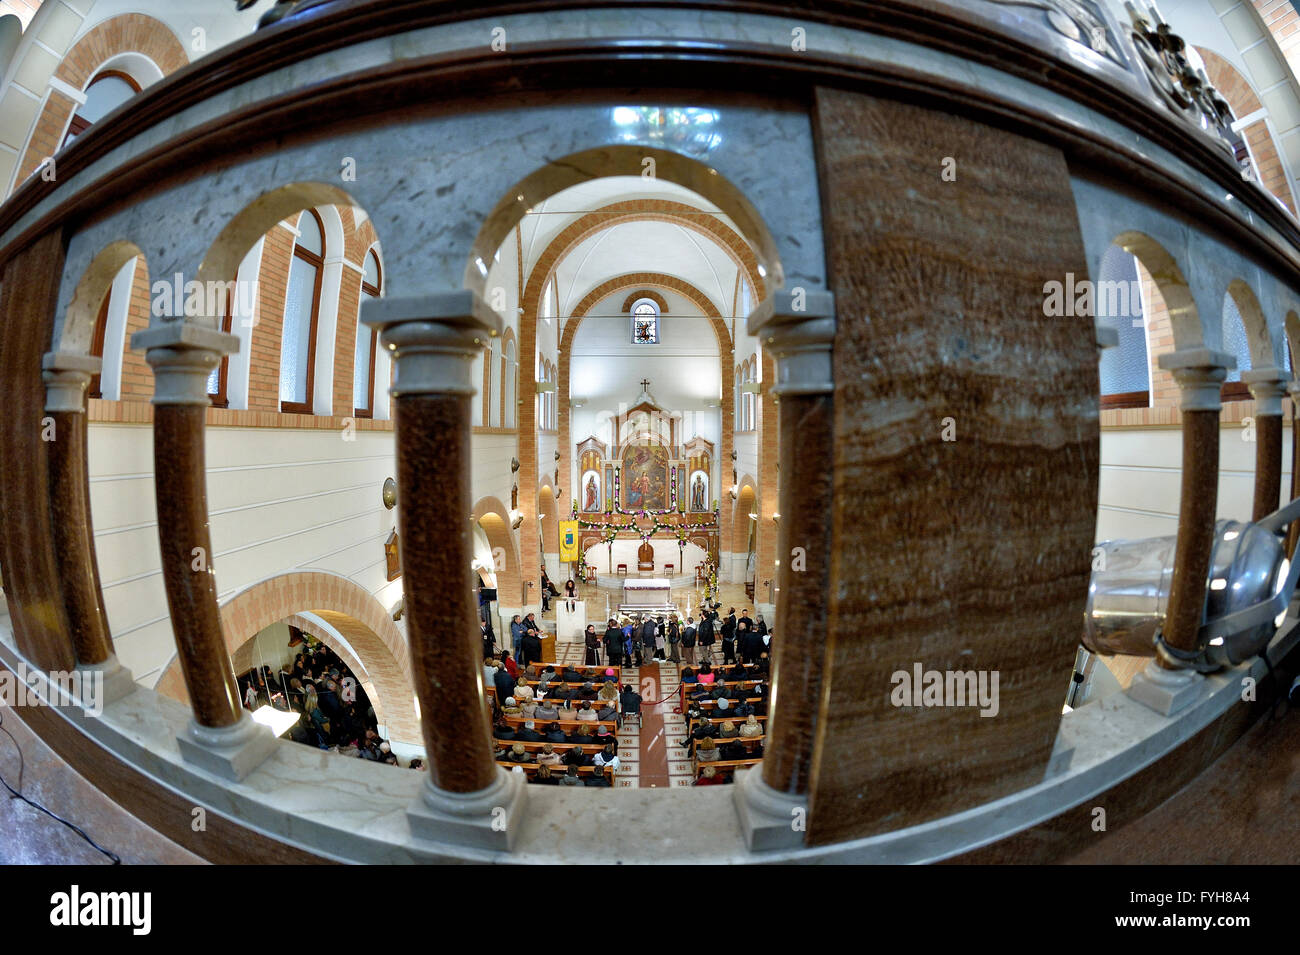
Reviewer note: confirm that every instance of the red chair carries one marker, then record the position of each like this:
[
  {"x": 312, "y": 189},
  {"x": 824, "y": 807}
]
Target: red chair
[
  {"x": 622, "y": 570},
  {"x": 668, "y": 570}
]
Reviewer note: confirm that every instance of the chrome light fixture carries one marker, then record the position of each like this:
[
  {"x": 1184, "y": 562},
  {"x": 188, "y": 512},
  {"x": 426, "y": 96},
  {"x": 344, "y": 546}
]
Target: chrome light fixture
[{"x": 1250, "y": 586}]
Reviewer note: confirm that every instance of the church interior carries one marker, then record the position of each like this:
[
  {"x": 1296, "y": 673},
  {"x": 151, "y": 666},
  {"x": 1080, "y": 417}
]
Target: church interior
[{"x": 845, "y": 432}]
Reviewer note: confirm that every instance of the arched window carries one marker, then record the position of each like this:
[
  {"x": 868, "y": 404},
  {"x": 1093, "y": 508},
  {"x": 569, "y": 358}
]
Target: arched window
[
  {"x": 645, "y": 322},
  {"x": 546, "y": 405},
  {"x": 748, "y": 409},
  {"x": 106, "y": 92},
  {"x": 510, "y": 370},
  {"x": 97, "y": 344},
  {"x": 301, "y": 312},
  {"x": 1125, "y": 371},
  {"x": 363, "y": 362},
  {"x": 217, "y": 379},
  {"x": 1235, "y": 343}
]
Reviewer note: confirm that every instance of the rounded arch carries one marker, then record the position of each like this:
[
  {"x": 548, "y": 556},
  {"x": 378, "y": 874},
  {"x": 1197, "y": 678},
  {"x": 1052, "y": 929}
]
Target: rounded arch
[
  {"x": 547, "y": 518},
  {"x": 137, "y": 44},
  {"x": 746, "y": 504},
  {"x": 509, "y": 380},
  {"x": 726, "y": 358},
  {"x": 346, "y": 607},
  {"x": 221, "y": 261},
  {"x": 1170, "y": 282},
  {"x": 1255, "y": 324},
  {"x": 1265, "y": 153},
  {"x": 1291, "y": 325},
  {"x": 580, "y": 167},
  {"x": 493, "y": 516},
  {"x": 78, "y": 326},
  {"x": 660, "y": 302}
]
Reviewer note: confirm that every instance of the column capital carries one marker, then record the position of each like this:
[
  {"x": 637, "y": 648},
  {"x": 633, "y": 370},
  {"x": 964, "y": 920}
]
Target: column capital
[
  {"x": 798, "y": 325},
  {"x": 66, "y": 376},
  {"x": 1267, "y": 386},
  {"x": 182, "y": 355},
  {"x": 1199, "y": 372},
  {"x": 434, "y": 339}
]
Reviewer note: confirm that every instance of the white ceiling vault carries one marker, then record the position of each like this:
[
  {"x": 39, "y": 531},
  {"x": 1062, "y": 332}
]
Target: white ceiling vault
[{"x": 628, "y": 247}]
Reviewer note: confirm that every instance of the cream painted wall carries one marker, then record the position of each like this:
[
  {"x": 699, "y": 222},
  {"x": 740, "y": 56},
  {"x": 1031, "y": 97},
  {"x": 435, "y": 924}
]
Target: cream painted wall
[
  {"x": 279, "y": 500},
  {"x": 1141, "y": 477}
]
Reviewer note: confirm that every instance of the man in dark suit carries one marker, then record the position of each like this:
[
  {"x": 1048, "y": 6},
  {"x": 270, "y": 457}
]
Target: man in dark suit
[
  {"x": 613, "y": 641},
  {"x": 503, "y": 683},
  {"x": 530, "y": 648}
]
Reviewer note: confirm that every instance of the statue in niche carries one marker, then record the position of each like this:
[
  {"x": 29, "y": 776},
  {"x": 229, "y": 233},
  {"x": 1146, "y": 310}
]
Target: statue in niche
[
  {"x": 697, "y": 493},
  {"x": 591, "y": 495}
]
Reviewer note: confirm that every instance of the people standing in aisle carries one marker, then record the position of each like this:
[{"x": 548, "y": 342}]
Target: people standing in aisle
[
  {"x": 688, "y": 641},
  {"x": 592, "y": 643},
  {"x": 516, "y": 633},
  {"x": 613, "y": 643}
]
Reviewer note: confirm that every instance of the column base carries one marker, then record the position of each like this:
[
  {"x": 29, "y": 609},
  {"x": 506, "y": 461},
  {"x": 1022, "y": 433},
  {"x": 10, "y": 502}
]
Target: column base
[
  {"x": 117, "y": 682},
  {"x": 768, "y": 818},
  {"x": 486, "y": 819},
  {"x": 1165, "y": 691},
  {"x": 231, "y": 752}
]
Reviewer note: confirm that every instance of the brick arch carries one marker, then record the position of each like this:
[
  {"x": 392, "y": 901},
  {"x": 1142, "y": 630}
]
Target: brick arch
[
  {"x": 651, "y": 294},
  {"x": 498, "y": 535},
  {"x": 726, "y": 353},
  {"x": 344, "y": 605},
  {"x": 128, "y": 33},
  {"x": 571, "y": 235},
  {"x": 1243, "y": 99}
]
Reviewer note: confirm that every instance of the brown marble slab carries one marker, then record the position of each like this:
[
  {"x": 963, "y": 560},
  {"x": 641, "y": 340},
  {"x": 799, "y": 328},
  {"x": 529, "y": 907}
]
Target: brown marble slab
[
  {"x": 74, "y": 538},
  {"x": 1268, "y": 465},
  {"x": 185, "y": 549},
  {"x": 1198, "y": 497},
  {"x": 799, "y": 646},
  {"x": 28, "y": 291},
  {"x": 433, "y": 472},
  {"x": 970, "y": 554}
]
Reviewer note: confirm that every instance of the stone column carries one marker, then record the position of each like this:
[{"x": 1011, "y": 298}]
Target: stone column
[
  {"x": 1165, "y": 685},
  {"x": 467, "y": 799},
  {"x": 66, "y": 378},
  {"x": 222, "y": 737},
  {"x": 799, "y": 328},
  {"x": 1267, "y": 386}
]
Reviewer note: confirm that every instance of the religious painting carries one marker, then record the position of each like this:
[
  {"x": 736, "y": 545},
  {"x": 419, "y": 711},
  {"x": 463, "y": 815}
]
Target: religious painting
[
  {"x": 590, "y": 491},
  {"x": 697, "y": 490},
  {"x": 645, "y": 478}
]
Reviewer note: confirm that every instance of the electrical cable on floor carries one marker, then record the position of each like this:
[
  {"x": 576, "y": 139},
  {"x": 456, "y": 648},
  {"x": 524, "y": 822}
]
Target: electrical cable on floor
[{"x": 16, "y": 794}]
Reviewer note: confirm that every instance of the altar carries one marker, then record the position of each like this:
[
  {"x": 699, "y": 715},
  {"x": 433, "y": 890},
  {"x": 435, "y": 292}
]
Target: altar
[{"x": 646, "y": 593}]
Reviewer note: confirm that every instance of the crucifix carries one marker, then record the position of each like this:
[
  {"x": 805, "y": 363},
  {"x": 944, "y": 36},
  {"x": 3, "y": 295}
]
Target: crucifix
[{"x": 645, "y": 384}]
